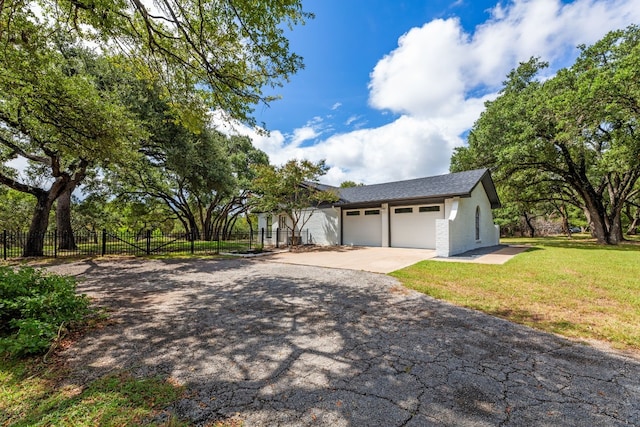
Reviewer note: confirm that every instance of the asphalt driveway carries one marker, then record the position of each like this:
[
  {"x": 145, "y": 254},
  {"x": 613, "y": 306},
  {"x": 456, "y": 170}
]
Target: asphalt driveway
[{"x": 276, "y": 344}]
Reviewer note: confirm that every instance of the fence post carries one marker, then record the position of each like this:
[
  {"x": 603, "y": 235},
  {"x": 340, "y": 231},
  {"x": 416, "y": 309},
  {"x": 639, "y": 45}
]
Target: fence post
[
  {"x": 192, "y": 238},
  {"x": 277, "y": 237},
  {"x": 104, "y": 241},
  {"x": 4, "y": 243},
  {"x": 148, "y": 242},
  {"x": 218, "y": 242},
  {"x": 250, "y": 237},
  {"x": 262, "y": 237},
  {"x": 55, "y": 243}
]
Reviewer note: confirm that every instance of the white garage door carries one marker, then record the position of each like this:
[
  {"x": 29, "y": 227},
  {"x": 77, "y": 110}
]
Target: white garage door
[
  {"x": 362, "y": 227},
  {"x": 415, "y": 226}
]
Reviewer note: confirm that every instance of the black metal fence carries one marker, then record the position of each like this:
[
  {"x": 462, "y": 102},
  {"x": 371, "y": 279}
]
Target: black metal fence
[
  {"x": 284, "y": 237},
  {"x": 90, "y": 243}
]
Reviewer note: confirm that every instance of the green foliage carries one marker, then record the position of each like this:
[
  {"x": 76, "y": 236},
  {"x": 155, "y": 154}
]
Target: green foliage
[
  {"x": 15, "y": 209},
  {"x": 200, "y": 175},
  {"x": 35, "y": 308},
  {"x": 348, "y": 184},
  {"x": 291, "y": 189},
  {"x": 220, "y": 53}
]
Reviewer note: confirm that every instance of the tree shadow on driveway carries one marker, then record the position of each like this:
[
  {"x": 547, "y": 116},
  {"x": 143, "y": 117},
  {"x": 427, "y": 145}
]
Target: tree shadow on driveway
[{"x": 277, "y": 344}]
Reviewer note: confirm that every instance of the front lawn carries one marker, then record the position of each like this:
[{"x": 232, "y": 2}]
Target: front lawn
[
  {"x": 33, "y": 393},
  {"x": 571, "y": 287}
]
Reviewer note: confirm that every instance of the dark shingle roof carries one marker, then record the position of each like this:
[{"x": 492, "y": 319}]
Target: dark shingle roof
[{"x": 434, "y": 187}]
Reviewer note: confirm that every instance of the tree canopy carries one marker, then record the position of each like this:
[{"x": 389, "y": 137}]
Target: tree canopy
[
  {"x": 570, "y": 139},
  {"x": 222, "y": 52}
]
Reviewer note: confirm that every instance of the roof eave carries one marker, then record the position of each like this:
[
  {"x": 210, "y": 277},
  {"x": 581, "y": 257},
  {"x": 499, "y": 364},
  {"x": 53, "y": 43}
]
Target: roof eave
[{"x": 435, "y": 199}]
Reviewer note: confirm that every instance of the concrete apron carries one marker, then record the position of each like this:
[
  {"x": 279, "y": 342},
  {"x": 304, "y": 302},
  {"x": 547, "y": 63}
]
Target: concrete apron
[{"x": 386, "y": 260}]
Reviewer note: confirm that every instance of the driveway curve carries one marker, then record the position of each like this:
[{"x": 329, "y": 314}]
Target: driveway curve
[{"x": 288, "y": 345}]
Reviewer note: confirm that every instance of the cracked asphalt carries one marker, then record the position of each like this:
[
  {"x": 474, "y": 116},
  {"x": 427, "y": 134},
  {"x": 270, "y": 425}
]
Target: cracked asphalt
[{"x": 274, "y": 344}]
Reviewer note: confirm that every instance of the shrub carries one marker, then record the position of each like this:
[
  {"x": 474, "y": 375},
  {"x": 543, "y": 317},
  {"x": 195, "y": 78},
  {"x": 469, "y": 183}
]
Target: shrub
[{"x": 35, "y": 308}]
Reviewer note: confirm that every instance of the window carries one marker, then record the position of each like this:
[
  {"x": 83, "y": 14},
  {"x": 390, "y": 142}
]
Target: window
[
  {"x": 429, "y": 208},
  {"x": 477, "y": 222},
  {"x": 403, "y": 210},
  {"x": 282, "y": 222},
  {"x": 269, "y": 226},
  {"x": 353, "y": 213},
  {"x": 372, "y": 212}
]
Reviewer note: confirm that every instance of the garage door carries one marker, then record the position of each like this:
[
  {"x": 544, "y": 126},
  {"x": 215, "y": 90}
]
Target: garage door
[
  {"x": 415, "y": 226},
  {"x": 362, "y": 227}
]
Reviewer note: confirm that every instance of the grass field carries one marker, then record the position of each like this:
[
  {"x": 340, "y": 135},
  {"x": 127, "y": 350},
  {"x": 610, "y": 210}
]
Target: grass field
[
  {"x": 32, "y": 393},
  {"x": 575, "y": 288}
]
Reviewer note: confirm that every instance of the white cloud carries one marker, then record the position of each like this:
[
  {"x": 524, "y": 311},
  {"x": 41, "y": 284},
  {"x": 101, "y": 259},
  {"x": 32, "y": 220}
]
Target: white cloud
[
  {"x": 303, "y": 134},
  {"x": 437, "y": 80},
  {"x": 351, "y": 120},
  {"x": 424, "y": 74},
  {"x": 336, "y": 106},
  {"x": 437, "y": 66}
]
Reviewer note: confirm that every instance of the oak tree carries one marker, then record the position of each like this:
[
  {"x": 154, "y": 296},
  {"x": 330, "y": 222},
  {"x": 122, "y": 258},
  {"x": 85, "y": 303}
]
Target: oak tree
[{"x": 572, "y": 138}]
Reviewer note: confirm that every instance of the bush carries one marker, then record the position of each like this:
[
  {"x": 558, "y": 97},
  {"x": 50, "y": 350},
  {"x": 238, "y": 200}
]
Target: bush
[{"x": 35, "y": 307}]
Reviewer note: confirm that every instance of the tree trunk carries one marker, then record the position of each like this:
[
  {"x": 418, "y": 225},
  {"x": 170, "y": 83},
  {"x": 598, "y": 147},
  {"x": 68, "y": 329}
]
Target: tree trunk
[
  {"x": 615, "y": 227},
  {"x": 194, "y": 231},
  {"x": 39, "y": 224},
  {"x": 562, "y": 210},
  {"x": 598, "y": 223},
  {"x": 633, "y": 227},
  {"x": 66, "y": 238},
  {"x": 527, "y": 220}
]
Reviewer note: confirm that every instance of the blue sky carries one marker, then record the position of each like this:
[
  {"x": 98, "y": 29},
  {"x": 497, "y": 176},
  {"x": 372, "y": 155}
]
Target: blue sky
[
  {"x": 390, "y": 88},
  {"x": 341, "y": 46}
]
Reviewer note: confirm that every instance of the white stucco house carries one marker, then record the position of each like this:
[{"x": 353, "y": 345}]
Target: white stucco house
[{"x": 450, "y": 213}]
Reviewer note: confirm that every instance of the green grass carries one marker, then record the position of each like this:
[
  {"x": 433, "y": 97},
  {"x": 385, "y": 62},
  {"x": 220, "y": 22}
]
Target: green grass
[
  {"x": 575, "y": 288},
  {"x": 34, "y": 394}
]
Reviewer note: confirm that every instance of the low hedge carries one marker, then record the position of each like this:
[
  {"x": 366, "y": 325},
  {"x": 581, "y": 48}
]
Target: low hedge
[{"x": 36, "y": 309}]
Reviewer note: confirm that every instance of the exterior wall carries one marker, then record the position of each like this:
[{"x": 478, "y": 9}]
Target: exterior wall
[
  {"x": 270, "y": 235},
  {"x": 262, "y": 221},
  {"x": 457, "y": 233},
  {"x": 384, "y": 223},
  {"x": 323, "y": 227}
]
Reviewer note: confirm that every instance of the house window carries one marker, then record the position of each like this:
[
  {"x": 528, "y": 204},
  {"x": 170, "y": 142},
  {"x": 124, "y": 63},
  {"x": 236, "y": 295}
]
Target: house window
[
  {"x": 477, "y": 222},
  {"x": 403, "y": 210},
  {"x": 282, "y": 222},
  {"x": 372, "y": 212},
  {"x": 353, "y": 213},
  {"x": 429, "y": 209},
  {"x": 269, "y": 226}
]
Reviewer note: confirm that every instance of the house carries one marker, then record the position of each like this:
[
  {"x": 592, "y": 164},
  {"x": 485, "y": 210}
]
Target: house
[{"x": 449, "y": 213}]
